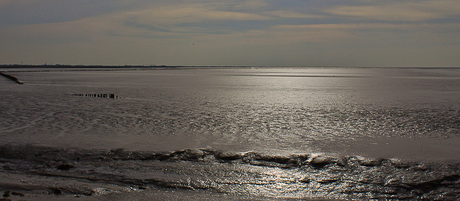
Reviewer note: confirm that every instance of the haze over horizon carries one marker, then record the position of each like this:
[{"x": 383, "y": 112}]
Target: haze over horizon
[{"x": 232, "y": 32}]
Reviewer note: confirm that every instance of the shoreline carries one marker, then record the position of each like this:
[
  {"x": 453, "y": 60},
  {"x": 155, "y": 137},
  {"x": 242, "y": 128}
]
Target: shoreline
[
  {"x": 8, "y": 66},
  {"x": 10, "y": 77}
]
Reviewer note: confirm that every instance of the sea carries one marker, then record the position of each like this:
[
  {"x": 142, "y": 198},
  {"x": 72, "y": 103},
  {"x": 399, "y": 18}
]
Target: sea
[{"x": 230, "y": 133}]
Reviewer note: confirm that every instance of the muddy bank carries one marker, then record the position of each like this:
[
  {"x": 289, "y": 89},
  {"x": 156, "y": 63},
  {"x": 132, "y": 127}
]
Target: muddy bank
[
  {"x": 12, "y": 78},
  {"x": 94, "y": 173}
]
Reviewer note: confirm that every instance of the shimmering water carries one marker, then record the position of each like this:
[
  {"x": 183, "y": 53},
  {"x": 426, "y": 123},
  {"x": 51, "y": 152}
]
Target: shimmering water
[{"x": 257, "y": 132}]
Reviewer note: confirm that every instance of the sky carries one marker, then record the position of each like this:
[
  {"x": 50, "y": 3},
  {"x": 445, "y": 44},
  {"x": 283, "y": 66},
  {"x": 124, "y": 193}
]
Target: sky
[{"x": 231, "y": 32}]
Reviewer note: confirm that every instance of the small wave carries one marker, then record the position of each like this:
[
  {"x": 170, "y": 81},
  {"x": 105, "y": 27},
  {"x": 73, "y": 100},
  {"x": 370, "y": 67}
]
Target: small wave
[
  {"x": 37, "y": 153},
  {"x": 316, "y": 160}
]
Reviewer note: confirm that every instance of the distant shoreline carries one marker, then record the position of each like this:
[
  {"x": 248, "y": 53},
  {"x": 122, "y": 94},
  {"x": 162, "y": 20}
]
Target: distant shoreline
[
  {"x": 57, "y": 66},
  {"x": 82, "y": 66}
]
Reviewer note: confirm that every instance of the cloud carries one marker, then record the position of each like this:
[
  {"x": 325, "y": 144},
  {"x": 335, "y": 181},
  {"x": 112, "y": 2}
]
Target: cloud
[
  {"x": 191, "y": 13},
  {"x": 292, "y": 14},
  {"x": 407, "y": 34},
  {"x": 239, "y": 5},
  {"x": 260, "y": 32},
  {"x": 23, "y": 12},
  {"x": 211, "y": 17},
  {"x": 414, "y": 11},
  {"x": 190, "y": 18}
]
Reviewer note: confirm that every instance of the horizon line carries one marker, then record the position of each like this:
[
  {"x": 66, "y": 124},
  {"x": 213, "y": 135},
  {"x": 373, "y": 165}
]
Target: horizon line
[{"x": 199, "y": 66}]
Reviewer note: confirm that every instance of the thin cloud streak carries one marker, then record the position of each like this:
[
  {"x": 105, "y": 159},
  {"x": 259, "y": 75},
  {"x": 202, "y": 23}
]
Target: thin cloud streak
[{"x": 401, "y": 11}]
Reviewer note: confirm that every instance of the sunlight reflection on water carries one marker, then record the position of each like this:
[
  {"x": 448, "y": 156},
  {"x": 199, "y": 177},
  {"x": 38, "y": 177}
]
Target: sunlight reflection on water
[{"x": 272, "y": 109}]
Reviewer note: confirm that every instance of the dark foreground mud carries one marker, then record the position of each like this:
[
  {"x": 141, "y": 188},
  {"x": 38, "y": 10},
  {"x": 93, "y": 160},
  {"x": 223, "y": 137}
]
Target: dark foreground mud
[{"x": 87, "y": 173}]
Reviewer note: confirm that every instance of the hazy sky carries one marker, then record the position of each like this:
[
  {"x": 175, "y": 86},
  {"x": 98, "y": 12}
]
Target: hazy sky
[{"x": 231, "y": 32}]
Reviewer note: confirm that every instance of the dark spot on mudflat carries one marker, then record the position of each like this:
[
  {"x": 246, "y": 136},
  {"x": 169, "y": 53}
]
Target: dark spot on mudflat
[
  {"x": 371, "y": 162},
  {"x": 17, "y": 194},
  {"x": 448, "y": 180},
  {"x": 65, "y": 167},
  {"x": 306, "y": 180},
  {"x": 7, "y": 194},
  {"x": 328, "y": 180},
  {"x": 4, "y": 199},
  {"x": 227, "y": 156},
  {"x": 56, "y": 191},
  {"x": 11, "y": 193},
  {"x": 80, "y": 190}
]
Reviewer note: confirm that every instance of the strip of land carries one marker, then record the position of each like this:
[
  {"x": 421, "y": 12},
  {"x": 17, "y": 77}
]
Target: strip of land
[{"x": 12, "y": 78}]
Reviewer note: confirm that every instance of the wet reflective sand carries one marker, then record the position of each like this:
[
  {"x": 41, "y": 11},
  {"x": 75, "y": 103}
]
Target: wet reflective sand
[{"x": 329, "y": 133}]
